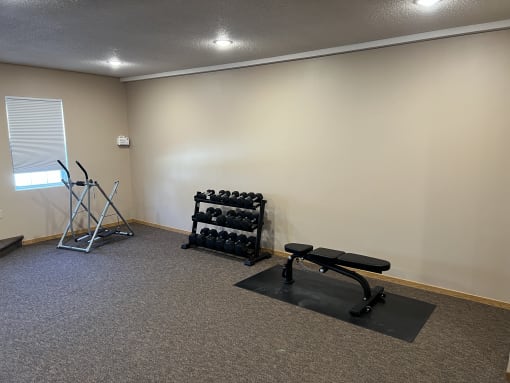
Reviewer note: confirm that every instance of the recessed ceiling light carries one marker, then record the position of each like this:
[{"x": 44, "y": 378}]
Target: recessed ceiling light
[
  {"x": 427, "y": 3},
  {"x": 223, "y": 43},
  {"x": 114, "y": 62}
]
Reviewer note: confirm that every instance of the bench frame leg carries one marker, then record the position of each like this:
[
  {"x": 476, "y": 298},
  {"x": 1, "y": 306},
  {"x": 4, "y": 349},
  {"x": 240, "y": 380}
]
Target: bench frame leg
[
  {"x": 370, "y": 295},
  {"x": 287, "y": 269}
]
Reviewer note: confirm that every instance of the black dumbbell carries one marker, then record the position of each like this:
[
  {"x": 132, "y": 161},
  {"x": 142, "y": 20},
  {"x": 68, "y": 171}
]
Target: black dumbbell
[
  {"x": 200, "y": 195},
  {"x": 240, "y": 244},
  {"x": 230, "y": 218},
  {"x": 223, "y": 196},
  {"x": 250, "y": 245},
  {"x": 234, "y": 199},
  {"x": 255, "y": 216},
  {"x": 241, "y": 198},
  {"x": 214, "y": 212},
  {"x": 240, "y": 201},
  {"x": 246, "y": 224},
  {"x": 215, "y": 197},
  {"x": 221, "y": 220},
  {"x": 252, "y": 216},
  {"x": 230, "y": 243},
  {"x": 219, "y": 197},
  {"x": 210, "y": 240},
  {"x": 202, "y": 236},
  {"x": 249, "y": 220},
  {"x": 252, "y": 198},
  {"x": 208, "y": 215},
  {"x": 238, "y": 222},
  {"x": 241, "y": 213},
  {"x": 220, "y": 240},
  {"x": 203, "y": 217},
  {"x": 243, "y": 247}
]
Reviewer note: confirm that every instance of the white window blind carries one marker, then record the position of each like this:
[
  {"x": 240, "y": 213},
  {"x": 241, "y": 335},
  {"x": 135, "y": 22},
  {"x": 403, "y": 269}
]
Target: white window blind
[{"x": 36, "y": 134}]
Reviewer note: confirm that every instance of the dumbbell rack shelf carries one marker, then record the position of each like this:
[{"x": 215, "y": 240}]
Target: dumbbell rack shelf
[
  {"x": 255, "y": 206},
  {"x": 226, "y": 226},
  {"x": 253, "y": 255}
]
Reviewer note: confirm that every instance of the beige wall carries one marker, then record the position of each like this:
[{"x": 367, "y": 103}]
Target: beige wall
[
  {"x": 94, "y": 114},
  {"x": 399, "y": 153}
]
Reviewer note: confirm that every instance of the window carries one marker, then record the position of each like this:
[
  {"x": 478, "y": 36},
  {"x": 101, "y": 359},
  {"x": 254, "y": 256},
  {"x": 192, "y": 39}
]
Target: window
[{"x": 37, "y": 139}]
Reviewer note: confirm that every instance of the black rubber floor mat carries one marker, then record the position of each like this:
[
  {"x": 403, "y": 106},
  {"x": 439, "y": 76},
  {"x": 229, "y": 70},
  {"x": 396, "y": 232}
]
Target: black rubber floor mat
[{"x": 397, "y": 316}]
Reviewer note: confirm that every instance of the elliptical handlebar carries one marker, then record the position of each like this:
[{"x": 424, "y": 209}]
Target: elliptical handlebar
[
  {"x": 65, "y": 169},
  {"x": 83, "y": 170}
]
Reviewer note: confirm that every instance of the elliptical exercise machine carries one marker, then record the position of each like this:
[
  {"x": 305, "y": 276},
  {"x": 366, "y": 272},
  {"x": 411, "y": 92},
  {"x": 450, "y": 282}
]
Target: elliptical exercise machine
[{"x": 91, "y": 234}]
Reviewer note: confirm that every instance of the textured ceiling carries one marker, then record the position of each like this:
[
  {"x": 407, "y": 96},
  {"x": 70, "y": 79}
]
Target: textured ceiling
[{"x": 155, "y": 36}]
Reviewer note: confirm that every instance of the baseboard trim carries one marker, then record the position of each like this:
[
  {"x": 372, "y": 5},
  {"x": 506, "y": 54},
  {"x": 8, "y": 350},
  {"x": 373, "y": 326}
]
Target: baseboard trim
[
  {"x": 40, "y": 239},
  {"x": 162, "y": 227},
  {"x": 386, "y": 278},
  {"x": 508, "y": 370}
]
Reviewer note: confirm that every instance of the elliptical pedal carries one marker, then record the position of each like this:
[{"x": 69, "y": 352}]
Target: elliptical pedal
[{"x": 103, "y": 233}]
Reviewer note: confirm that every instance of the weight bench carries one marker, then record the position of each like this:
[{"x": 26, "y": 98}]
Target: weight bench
[{"x": 335, "y": 260}]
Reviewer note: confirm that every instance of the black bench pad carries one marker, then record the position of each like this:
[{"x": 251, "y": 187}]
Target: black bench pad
[
  {"x": 357, "y": 261},
  {"x": 330, "y": 254},
  {"x": 298, "y": 248}
]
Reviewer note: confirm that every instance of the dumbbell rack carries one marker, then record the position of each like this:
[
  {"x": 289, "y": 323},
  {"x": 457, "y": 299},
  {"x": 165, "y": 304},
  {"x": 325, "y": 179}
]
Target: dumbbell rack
[{"x": 252, "y": 257}]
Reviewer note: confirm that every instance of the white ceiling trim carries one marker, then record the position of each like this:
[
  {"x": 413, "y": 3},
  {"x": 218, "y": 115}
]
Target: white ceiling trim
[{"x": 450, "y": 32}]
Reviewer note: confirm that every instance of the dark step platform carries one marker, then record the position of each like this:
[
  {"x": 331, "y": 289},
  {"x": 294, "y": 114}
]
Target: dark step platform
[{"x": 9, "y": 244}]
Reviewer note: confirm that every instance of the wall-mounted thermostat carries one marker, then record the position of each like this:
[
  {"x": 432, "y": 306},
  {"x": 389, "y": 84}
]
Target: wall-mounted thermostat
[{"x": 122, "y": 141}]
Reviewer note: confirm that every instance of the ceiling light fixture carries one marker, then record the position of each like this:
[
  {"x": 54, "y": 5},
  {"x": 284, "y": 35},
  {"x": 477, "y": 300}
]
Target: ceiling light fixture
[
  {"x": 427, "y": 3},
  {"x": 114, "y": 62},
  {"x": 223, "y": 43}
]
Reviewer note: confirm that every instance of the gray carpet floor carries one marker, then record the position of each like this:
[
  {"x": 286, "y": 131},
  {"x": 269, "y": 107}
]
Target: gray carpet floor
[{"x": 142, "y": 310}]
